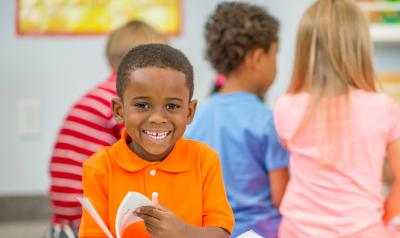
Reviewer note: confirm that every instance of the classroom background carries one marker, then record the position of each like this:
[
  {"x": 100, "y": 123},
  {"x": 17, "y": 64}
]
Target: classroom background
[{"x": 41, "y": 76}]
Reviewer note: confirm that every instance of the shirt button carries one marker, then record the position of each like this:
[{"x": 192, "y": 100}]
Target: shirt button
[{"x": 153, "y": 172}]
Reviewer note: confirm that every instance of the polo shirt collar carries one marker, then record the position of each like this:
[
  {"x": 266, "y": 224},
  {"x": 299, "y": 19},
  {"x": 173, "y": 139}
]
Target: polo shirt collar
[{"x": 177, "y": 160}]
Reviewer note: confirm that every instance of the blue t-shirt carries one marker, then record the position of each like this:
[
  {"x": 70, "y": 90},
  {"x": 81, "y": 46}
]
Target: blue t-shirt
[{"x": 241, "y": 128}]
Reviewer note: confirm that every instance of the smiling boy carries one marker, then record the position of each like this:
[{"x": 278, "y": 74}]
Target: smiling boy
[{"x": 155, "y": 88}]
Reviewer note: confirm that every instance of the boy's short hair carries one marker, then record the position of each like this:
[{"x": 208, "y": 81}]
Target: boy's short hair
[
  {"x": 153, "y": 55},
  {"x": 233, "y": 30},
  {"x": 132, "y": 34}
]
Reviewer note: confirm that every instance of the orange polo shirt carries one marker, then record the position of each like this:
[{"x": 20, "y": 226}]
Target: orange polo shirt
[{"x": 188, "y": 182}]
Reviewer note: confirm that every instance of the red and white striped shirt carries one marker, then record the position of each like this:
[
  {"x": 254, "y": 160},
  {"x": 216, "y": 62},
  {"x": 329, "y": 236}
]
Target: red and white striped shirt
[{"x": 87, "y": 128}]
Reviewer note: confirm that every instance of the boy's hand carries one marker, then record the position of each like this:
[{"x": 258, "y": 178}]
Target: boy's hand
[{"x": 161, "y": 222}]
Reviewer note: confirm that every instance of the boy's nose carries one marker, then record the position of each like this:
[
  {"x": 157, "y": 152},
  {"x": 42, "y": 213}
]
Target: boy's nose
[{"x": 158, "y": 117}]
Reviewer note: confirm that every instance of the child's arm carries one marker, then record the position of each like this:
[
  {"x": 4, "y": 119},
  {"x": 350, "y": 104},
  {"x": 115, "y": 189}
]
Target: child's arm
[
  {"x": 388, "y": 177},
  {"x": 161, "y": 222},
  {"x": 276, "y": 163},
  {"x": 392, "y": 206},
  {"x": 278, "y": 180}
]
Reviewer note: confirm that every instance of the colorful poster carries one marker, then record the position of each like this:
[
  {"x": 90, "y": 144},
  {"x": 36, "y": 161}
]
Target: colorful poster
[{"x": 94, "y": 17}]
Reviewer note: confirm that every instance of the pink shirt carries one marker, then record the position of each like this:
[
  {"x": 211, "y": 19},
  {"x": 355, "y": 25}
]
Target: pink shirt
[{"x": 342, "y": 198}]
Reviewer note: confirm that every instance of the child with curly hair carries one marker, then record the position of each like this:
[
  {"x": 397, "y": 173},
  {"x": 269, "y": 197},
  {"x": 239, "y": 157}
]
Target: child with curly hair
[{"x": 242, "y": 41}]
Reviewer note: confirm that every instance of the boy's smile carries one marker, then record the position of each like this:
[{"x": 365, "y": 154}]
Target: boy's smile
[
  {"x": 155, "y": 110},
  {"x": 157, "y": 136}
]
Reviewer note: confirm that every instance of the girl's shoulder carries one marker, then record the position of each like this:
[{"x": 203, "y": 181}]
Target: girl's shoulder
[
  {"x": 288, "y": 101},
  {"x": 288, "y": 112},
  {"x": 378, "y": 99},
  {"x": 302, "y": 99}
]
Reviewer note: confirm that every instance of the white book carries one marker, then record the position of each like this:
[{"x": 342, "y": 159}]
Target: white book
[
  {"x": 395, "y": 222},
  {"x": 249, "y": 234},
  {"x": 125, "y": 215}
]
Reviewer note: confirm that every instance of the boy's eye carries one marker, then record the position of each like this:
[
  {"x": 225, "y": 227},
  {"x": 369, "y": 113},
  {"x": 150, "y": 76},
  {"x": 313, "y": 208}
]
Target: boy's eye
[
  {"x": 172, "y": 106},
  {"x": 142, "y": 105}
]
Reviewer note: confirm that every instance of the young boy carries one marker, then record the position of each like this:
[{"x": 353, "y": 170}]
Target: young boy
[
  {"x": 242, "y": 41},
  {"x": 88, "y": 127},
  {"x": 155, "y": 87}
]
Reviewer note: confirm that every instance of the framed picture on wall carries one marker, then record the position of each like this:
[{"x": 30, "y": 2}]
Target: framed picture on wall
[
  {"x": 94, "y": 17},
  {"x": 384, "y": 17}
]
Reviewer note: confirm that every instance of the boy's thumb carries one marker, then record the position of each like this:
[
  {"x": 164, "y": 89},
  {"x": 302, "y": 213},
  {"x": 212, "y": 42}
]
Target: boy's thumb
[{"x": 154, "y": 200}]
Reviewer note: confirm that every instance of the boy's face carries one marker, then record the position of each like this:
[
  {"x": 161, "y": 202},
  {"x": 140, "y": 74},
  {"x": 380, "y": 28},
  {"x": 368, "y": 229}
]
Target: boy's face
[{"x": 155, "y": 110}]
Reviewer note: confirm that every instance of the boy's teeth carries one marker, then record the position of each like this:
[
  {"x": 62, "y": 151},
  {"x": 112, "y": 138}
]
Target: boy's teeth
[{"x": 157, "y": 135}]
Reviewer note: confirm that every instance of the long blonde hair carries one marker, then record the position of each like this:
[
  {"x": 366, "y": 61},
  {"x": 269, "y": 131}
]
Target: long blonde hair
[{"x": 333, "y": 57}]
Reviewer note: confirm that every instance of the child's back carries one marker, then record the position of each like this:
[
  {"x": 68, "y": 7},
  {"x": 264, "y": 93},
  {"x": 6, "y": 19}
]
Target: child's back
[
  {"x": 342, "y": 196},
  {"x": 337, "y": 128},
  {"x": 242, "y": 42},
  {"x": 241, "y": 129}
]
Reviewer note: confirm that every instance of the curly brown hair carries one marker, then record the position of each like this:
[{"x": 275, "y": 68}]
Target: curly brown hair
[{"x": 233, "y": 30}]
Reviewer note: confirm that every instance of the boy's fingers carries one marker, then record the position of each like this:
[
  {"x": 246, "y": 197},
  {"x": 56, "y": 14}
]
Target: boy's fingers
[
  {"x": 154, "y": 199},
  {"x": 155, "y": 202},
  {"x": 150, "y": 222},
  {"x": 149, "y": 211},
  {"x": 150, "y": 229}
]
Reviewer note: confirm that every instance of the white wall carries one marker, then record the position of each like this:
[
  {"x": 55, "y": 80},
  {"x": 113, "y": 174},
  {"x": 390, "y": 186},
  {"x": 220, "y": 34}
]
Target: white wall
[{"x": 57, "y": 70}]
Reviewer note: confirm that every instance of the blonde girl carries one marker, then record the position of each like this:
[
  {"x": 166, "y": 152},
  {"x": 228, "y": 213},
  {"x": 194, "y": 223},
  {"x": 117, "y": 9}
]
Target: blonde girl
[{"x": 338, "y": 129}]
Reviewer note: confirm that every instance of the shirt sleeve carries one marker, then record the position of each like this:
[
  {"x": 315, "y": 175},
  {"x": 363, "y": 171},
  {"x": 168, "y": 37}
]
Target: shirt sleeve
[
  {"x": 216, "y": 209},
  {"x": 278, "y": 120},
  {"x": 95, "y": 189},
  {"x": 394, "y": 121},
  {"x": 275, "y": 155}
]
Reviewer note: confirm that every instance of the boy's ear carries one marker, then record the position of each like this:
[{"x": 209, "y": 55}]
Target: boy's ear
[
  {"x": 192, "y": 110},
  {"x": 254, "y": 57},
  {"x": 258, "y": 56},
  {"x": 117, "y": 109}
]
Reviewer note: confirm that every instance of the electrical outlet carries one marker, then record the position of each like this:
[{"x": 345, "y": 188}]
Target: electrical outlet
[{"x": 28, "y": 117}]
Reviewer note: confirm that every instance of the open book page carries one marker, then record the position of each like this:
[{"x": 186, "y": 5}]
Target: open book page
[
  {"x": 395, "y": 223},
  {"x": 85, "y": 202},
  {"x": 125, "y": 220},
  {"x": 125, "y": 216}
]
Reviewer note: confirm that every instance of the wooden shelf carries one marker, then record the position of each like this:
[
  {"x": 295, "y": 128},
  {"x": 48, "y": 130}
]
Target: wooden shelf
[
  {"x": 382, "y": 32},
  {"x": 379, "y": 6},
  {"x": 385, "y": 33}
]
